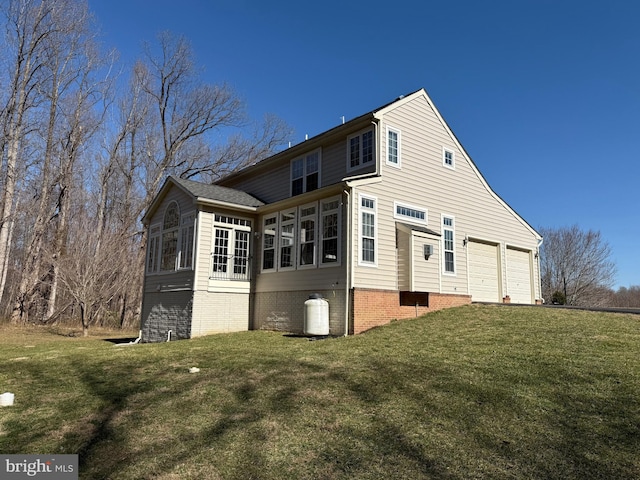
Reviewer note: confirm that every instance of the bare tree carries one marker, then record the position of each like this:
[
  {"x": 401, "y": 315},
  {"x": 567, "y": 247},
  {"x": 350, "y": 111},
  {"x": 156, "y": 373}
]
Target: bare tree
[
  {"x": 67, "y": 60},
  {"x": 576, "y": 266},
  {"x": 29, "y": 27},
  {"x": 626, "y": 297},
  {"x": 92, "y": 275}
]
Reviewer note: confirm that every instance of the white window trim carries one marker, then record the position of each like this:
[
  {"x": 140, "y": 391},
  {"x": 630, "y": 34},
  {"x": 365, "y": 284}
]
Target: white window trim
[
  {"x": 453, "y": 229},
  {"x": 318, "y": 237},
  {"x": 177, "y": 229},
  {"x": 233, "y": 229},
  {"x": 404, "y": 218},
  {"x": 398, "y": 164},
  {"x": 361, "y": 164},
  {"x": 275, "y": 215},
  {"x": 337, "y": 263},
  {"x": 300, "y": 218},
  {"x": 157, "y": 236},
  {"x": 294, "y": 240},
  {"x": 361, "y": 211},
  {"x": 184, "y": 226},
  {"x": 453, "y": 157},
  {"x": 304, "y": 171}
]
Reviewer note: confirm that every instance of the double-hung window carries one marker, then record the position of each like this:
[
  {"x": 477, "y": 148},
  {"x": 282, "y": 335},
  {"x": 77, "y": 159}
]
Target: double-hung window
[
  {"x": 287, "y": 239},
  {"x": 269, "y": 229},
  {"x": 393, "y": 147},
  {"x": 360, "y": 150},
  {"x": 448, "y": 240},
  {"x": 305, "y": 173},
  {"x": 368, "y": 229},
  {"x": 307, "y": 235},
  {"x": 330, "y": 230}
]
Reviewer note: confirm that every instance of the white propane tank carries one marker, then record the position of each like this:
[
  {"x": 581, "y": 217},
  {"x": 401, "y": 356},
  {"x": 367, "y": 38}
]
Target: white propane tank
[{"x": 316, "y": 315}]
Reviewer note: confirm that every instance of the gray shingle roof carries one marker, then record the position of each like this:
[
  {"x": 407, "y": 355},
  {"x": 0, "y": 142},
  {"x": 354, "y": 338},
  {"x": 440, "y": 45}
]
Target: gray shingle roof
[
  {"x": 418, "y": 228},
  {"x": 216, "y": 192}
]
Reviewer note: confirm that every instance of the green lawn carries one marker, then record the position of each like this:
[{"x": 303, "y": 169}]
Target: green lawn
[{"x": 472, "y": 392}]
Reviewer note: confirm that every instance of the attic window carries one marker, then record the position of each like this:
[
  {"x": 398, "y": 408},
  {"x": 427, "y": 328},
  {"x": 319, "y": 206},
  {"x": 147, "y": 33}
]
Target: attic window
[{"x": 448, "y": 158}]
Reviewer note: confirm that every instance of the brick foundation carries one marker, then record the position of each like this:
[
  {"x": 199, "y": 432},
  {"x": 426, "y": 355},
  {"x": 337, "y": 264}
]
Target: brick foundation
[{"x": 371, "y": 308}]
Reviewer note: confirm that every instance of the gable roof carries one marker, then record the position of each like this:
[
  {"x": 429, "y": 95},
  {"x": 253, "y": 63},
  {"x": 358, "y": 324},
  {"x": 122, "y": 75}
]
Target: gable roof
[{"x": 204, "y": 194}]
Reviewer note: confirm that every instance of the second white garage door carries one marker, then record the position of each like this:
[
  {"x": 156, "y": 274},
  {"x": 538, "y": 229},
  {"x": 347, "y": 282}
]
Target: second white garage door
[
  {"x": 484, "y": 268},
  {"x": 519, "y": 275}
]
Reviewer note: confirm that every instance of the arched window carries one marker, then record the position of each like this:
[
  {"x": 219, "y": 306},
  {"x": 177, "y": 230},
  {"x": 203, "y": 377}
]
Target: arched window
[{"x": 170, "y": 227}]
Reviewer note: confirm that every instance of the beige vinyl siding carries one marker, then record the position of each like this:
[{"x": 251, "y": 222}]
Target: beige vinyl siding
[
  {"x": 334, "y": 162},
  {"x": 425, "y": 273},
  {"x": 424, "y": 181},
  {"x": 204, "y": 240},
  {"x": 383, "y": 275},
  {"x": 269, "y": 185},
  {"x": 404, "y": 256}
]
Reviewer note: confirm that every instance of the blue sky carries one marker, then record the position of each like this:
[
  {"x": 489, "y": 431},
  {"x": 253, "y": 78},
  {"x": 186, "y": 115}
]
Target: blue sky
[{"x": 544, "y": 95}]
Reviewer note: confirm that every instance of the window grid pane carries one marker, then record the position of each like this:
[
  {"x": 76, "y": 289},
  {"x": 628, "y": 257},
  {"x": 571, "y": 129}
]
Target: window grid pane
[
  {"x": 367, "y": 230},
  {"x": 367, "y": 147},
  {"x": 449, "y": 245},
  {"x": 241, "y": 254},
  {"x": 354, "y": 149},
  {"x": 220, "y": 251},
  {"x": 393, "y": 147}
]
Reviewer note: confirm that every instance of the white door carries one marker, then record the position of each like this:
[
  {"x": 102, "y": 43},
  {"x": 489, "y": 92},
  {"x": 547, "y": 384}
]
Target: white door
[
  {"x": 519, "y": 275},
  {"x": 484, "y": 268}
]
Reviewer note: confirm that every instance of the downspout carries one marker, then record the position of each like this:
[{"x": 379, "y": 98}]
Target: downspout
[
  {"x": 378, "y": 149},
  {"x": 539, "y": 271},
  {"x": 348, "y": 265}
]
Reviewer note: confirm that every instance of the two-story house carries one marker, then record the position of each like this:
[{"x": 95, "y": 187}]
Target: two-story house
[{"x": 385, "y": 215}]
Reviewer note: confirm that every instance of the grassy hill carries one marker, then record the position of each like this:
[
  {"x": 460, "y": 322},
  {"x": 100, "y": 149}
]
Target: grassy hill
[{"x": 471, "y": 392}]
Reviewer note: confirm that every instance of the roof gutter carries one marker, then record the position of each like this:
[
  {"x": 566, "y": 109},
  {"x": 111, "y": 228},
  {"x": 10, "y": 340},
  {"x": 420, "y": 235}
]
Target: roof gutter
[{"x": 219, "y": 203}]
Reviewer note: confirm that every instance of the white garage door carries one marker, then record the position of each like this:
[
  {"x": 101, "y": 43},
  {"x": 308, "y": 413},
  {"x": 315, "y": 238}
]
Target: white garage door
[
  {"x": 519, "y": 276},
  {"x": 484, "y": 278}
]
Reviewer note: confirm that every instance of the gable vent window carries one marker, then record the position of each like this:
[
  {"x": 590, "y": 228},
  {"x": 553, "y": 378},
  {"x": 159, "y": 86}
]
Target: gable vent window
[
  {"x": 360, "y": 150},
  {"x": 305, "y": 173}
]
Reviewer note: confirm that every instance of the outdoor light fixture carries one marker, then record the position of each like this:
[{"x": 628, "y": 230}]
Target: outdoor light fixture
[{"x": 428, "y": 251}]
